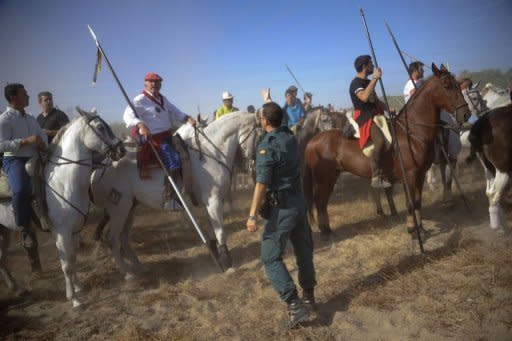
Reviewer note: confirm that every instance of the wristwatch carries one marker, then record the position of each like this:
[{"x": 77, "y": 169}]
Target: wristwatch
[{"x": 252, "y": 217}]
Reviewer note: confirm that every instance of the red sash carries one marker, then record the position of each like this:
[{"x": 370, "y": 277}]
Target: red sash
[
  {"x": 364, "y": 129},
  {"x": 145, "y": 155}
]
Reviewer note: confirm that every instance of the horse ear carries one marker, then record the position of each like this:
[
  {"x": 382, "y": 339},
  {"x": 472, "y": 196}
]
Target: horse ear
[
  {"x": 94, "y": 111},
  {"x": 435, "y": 70},
  {"x": 80, "y": 111},
  {"x": 475, "y": 86},
  {"x": 199, "y": 117}
]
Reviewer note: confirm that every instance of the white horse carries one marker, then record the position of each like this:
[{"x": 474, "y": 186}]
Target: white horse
[
  {"x": 495, "y": 97},
  {"x": 66, "y": 176},
  {"x": 119, "y": 186}
]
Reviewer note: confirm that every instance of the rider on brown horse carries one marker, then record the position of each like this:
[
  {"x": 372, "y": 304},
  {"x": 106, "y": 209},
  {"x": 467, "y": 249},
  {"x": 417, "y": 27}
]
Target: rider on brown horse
[{"x": 366, "y": 106}]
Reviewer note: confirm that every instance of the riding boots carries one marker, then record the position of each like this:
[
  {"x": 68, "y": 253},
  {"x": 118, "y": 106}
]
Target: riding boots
[{"x": 297, "y": 312}]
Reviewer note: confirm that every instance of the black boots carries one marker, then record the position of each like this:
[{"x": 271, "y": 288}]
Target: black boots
[
  {"x": 297, "y": 312},
  {"x": 308, "y": 298}
]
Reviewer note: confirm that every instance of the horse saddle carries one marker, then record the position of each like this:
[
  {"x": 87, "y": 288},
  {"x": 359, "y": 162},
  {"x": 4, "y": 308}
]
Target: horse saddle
[
  {"x": 5, "y": 188},
  {"x": 34, "y": 167},
  {"x": 382, "y": 123}
]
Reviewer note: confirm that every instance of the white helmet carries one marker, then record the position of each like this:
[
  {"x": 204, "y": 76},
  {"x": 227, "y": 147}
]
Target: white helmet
[{"x": 226, "y": 95}]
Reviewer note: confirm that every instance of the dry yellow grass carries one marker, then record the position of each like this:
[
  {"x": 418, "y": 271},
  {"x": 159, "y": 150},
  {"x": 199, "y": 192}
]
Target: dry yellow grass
[{"x": 372, "y": 283}]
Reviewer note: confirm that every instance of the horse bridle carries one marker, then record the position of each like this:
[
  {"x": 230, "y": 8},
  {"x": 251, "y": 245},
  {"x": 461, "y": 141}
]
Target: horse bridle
[{"x": 110, "y": 149}]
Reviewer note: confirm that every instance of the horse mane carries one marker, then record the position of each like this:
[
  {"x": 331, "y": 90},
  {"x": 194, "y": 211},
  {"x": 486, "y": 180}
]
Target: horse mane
[
  {"x": 214, "y": 127},
  {"x": 415, "y": 94},
  {"x": 62, "y": 130}
]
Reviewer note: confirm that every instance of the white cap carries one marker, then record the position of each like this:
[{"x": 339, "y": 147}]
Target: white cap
[{"x": 226, "y": 95}]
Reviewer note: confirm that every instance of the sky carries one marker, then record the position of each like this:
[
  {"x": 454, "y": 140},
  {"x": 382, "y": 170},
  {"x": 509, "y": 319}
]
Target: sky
[{"x": 202, "y": 48}]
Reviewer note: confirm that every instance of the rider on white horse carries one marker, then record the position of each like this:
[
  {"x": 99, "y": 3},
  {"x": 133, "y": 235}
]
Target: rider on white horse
[
  {"x": 20, "y": 139},
  {"x": 153, "y": 120}
]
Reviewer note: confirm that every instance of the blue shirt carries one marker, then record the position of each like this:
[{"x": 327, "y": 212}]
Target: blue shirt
[{"x": 294, "y": 113}]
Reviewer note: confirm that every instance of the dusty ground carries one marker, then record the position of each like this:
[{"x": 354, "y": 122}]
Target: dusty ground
[{"x": 372, "y": 284}]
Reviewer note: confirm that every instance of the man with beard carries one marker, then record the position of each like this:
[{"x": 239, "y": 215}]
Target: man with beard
[{"x": 366, "y": 106}]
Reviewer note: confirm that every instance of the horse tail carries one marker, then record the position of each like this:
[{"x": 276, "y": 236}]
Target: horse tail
[{"x": 307, "y": 188}]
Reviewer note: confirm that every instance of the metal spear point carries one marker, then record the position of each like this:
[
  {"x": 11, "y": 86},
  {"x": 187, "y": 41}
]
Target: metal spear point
[
  {"x": 395, "y": 144},
  {"x": 157, "y": 156},
  {"x": 296, "y": 80}
]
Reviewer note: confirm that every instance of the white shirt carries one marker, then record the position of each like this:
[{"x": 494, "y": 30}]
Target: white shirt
[
  {"x": 409, "y": 86},
  {"x": 156, "y": 114},
  {"x": 14, "y": 127}
]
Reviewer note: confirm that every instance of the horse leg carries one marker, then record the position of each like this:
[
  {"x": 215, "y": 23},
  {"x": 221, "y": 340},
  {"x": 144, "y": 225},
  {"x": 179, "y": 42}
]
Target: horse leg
[
  {"x": 128, "y": 251},
  {"x": 431, "y": 178},
  {"x": 65, "y": 245},
  {"x": 375, "y": 192},
  {"x": 391, "y": 200},
  {"x": 494, "y": 192},
  {"x": 5, "y": 238},
  {"x": 214, "y": 209},
  {"x": 98, "y": 232},
  {"x": 322, "y": 193},
  {"x": 117, "y": 223}
]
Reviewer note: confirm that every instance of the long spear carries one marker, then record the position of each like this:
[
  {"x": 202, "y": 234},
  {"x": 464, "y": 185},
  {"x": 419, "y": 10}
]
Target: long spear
[
  {"x": 441, "y": 144},
  {"x": 157, "y": 156},
  {"x": 395, "y": 144},
  {"x": 296, "y": 80}
]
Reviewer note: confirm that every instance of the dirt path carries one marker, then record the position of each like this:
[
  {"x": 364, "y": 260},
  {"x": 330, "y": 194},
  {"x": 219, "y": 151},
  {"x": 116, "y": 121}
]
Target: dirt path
[{"x": 372, "y": 284}]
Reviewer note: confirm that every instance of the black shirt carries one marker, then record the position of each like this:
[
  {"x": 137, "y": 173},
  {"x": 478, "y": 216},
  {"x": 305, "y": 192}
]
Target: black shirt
[
  {"x": 359, "y": 84},
  {"x": 53, "y": 121}
]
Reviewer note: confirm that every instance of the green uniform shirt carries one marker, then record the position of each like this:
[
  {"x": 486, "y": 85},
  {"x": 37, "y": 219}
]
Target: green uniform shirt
[
  {"x": 223, "y": 111},
  {"x": 277, "y": 161}
]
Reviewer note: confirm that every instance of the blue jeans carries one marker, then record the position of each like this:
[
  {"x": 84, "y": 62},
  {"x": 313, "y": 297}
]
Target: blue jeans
[
  {"x": 170, "y": 157},
  {"x": 21, "y": 186}
]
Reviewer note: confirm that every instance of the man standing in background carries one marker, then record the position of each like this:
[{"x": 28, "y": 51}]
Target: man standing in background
[{"x": 50, "y": 119}]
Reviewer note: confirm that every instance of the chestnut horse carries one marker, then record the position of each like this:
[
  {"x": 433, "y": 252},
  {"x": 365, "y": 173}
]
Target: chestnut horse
[{"x": 329, "y": 153}]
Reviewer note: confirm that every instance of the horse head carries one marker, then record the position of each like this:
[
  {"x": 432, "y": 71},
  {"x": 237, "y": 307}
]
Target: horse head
[
  {"x": 451, "y": 98},
  {"x": 98, "y": 136},
  {"x": 248, "y": 136},
  {"x": 475, "y": 101}
]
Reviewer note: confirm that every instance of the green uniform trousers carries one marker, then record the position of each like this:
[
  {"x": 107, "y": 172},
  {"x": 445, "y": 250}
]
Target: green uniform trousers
[{"x": 290, "y": 222}]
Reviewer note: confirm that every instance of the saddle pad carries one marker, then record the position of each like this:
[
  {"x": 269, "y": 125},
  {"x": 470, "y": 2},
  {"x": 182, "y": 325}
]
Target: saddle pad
[
  {"x": 382, "y": 123},
  {"x": 5, "y": 189}
]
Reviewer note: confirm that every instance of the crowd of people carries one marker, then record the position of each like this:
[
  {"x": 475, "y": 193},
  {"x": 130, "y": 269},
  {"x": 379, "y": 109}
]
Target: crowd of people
[{"x": 277, "y": 195}]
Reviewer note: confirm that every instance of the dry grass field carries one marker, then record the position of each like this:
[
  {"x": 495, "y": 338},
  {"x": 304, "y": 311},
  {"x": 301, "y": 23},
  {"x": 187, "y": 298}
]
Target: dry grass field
[{"x": 372, "y": 282}]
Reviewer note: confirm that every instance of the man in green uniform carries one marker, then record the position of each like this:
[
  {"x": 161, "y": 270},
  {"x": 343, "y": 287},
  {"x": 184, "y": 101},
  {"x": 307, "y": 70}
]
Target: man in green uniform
[{"x": 278, "y": 182}]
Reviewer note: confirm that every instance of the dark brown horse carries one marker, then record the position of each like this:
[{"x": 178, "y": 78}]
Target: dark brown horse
[
  {"x": 491, "y": 140},
  {"x": 329, "y": 153}
]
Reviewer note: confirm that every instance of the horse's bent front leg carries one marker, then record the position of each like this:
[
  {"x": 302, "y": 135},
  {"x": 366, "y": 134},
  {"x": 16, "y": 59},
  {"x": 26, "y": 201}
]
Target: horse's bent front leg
[
  {"x": 117, "y": 223},
  {"x": 64, "y": 243},
  {"x": 128, "y": 251}
]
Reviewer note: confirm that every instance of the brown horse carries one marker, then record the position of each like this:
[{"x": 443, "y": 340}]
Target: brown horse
[
  {"x": 491, "y": 140},
  {"x": 329, "y": 153}
]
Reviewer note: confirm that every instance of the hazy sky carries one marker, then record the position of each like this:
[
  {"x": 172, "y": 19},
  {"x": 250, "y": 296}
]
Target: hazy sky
[{"x": 202, "y": 48}]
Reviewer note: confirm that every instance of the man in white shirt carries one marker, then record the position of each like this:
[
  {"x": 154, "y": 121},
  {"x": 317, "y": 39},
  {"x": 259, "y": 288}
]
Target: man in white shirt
[
  {"x": 20, "y": 139},
  {"x": 416, "y": 72},
  {"x": 154, "y": 120}
]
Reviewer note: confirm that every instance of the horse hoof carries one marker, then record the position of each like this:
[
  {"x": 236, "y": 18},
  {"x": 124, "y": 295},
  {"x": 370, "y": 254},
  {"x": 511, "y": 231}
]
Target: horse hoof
[
  {"x": 225, "y": 257},
  {"x": 394, "y": 213},
  {"x": 129, "y": 277},
  {"x": 77, "y": 304},
  {"x": 380, "y": 212},
  {"x": 230, "y": 271}
]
